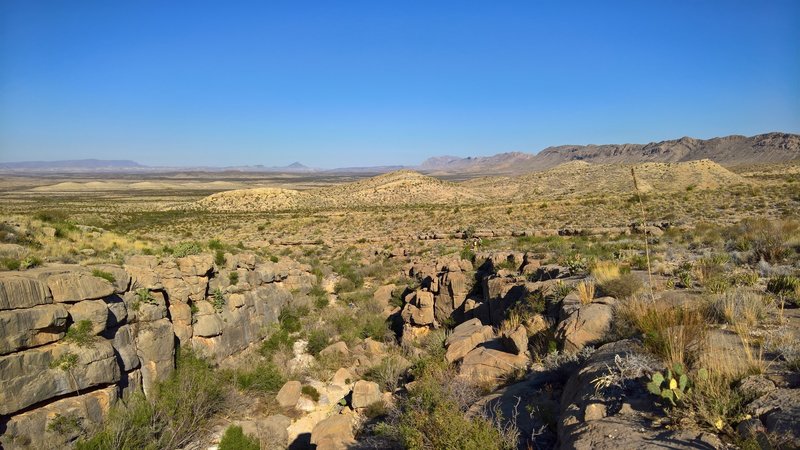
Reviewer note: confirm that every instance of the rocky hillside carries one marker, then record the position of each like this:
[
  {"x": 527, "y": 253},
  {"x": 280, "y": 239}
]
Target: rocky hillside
[
  {"x": 125, "y": 323},
  {"x": 403, "y": 187},
  {"x": 579, "y": 178},
  {"x": 728, "y": 151}
]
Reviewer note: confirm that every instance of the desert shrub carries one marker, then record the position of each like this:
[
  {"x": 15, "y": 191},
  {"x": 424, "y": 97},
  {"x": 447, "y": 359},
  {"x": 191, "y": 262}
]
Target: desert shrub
[
  {"x": 289, "y": 319},
  {"x": 108, "y": 276},
  {"x": 716, "y": 285},
  {"x": 216, "y": 244},
  {"x": 747, "y": 278},
  {"x": 235, "y": 439},
  {"x": 171, "y": 418},
  {"x": 766, "y": 239},
  {"x": 675, "y": 333},
  {"x": 81, "y": 333},
  {"x": 376, "y": 409},
  {"x": 387, "y": 374},
  {"x": 65, "y": 362},
  {"x": 317, "y": 341},
  {"x": 738, "y": 306},
  {"x": 623, "y": 287},
  {"x": 186, "y": 249},
  {"x": 434, "y": 416},
  {"x": 263, "y": 378},
  {"x": 30, "y": 261},
  {"x": 51, "y": 216},
  {"x": 65, "y": 425},
  {"x": 10, "y": 263},
  {"x": 279, "y": 340},
  {"x": 310, "y": 392},
  {"x": 786, "y": 287},
  {"x": 219, "y": 258},
  {"x": 233, "y": 278},
  {"x": 217, "y": 300},
  {"x": 351, "y": 278},
  {"x": 319, "y": 295},
  {"x": 467, "y": 253}
]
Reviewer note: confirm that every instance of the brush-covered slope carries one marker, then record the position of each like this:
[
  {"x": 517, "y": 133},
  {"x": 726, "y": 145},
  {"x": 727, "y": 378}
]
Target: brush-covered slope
[
  {"x": 578, "y": 178},
  {"x": 403, "y": 187}
]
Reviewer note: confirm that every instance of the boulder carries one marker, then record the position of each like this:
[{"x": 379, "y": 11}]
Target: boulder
[
  {"x": 289, "y": 394},
  {"x": 488, "y": 364},
  {"x": 383, "y": 295},
  {"x": 419, "y": 310},
  {"x": 336, "y": 349},
  {"x": 365, "y": 393},
  {"x": 586, "y": 326},
  {"x": 516, "y": 340},
  {"x": 196, "y": 265},
  {"x": 95, "y": 311},
  {"x": 32, "y": 327},
  {"x": 343, "y": 377},
  {"x": 779, "y": 411},
  {"x": 466, "y": 337},
  {"x": 333, "y": 433},
  {"x": 35, "y": 375},
  {"x": 452, "y": 293},
  {"x": 77, "y": 286},
  {"x": 18, "y": 292},
  {"x": 273, "y": 431}
]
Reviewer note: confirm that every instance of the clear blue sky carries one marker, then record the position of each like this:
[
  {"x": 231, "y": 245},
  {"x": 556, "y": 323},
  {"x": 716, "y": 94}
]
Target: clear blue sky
[{"x": 333, "y": 83}]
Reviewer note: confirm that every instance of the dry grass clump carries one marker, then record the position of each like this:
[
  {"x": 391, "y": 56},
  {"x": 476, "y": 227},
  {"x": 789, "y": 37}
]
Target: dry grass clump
[
  {"x": 739, "y": 307},
  {"x": 586, "y": 291},
  {"x": 605, "y": 271},
  {"x": 622, "y": 287},
  {"x": 677, "y": 334}
]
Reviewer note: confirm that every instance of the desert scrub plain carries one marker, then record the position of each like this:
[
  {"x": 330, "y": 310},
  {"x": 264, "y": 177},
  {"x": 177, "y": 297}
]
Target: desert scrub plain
[{"x": 404, "y": 311}]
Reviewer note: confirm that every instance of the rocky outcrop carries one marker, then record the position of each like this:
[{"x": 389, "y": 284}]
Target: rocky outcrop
[
  {"x": 489, "y": 364},
  {"x": 466, "y": 337},
  {"x": 615, "y": 418},
  {"x": 137, "y": 320},
  {"x": 584, "y": 325}
]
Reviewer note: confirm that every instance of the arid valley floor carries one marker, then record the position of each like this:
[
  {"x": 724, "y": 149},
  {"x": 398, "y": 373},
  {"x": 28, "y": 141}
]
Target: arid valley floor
[{"x": 601, "y": 305}]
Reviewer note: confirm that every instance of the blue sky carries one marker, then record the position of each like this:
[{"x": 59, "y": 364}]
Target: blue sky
[{"x": 336, "y": 84}]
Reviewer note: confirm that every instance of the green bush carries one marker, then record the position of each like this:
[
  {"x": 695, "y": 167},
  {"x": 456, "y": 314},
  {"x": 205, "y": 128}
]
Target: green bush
[
  {"x": 265, "y": 378},
  {"x": 30, "y": 262},
  {"x": 108, "y": 276},
  {"x": 219, "y": 258},
  {"x": 623, "y": 287},
  {"x": 215, "y": 244},
  {"x": 81, "y": 333},
  {"x": 186, "y": 249},
  {"x": 310, "y": 392},
  {"x": 233, "y": 278},
  {"x": 177, "y": 414},
  {"x": 10, "y": 263},
  {"x": 235, "y": 439},
  {"x": 278, "y": 340},
  {"x": 317, "y": 341},
  {"x": 434, "y": 415},
  {"x": 786, "y": 287}
]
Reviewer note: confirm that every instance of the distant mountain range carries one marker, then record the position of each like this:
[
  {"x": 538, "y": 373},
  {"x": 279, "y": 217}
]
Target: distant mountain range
[{"x": 727, "y": 151}]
